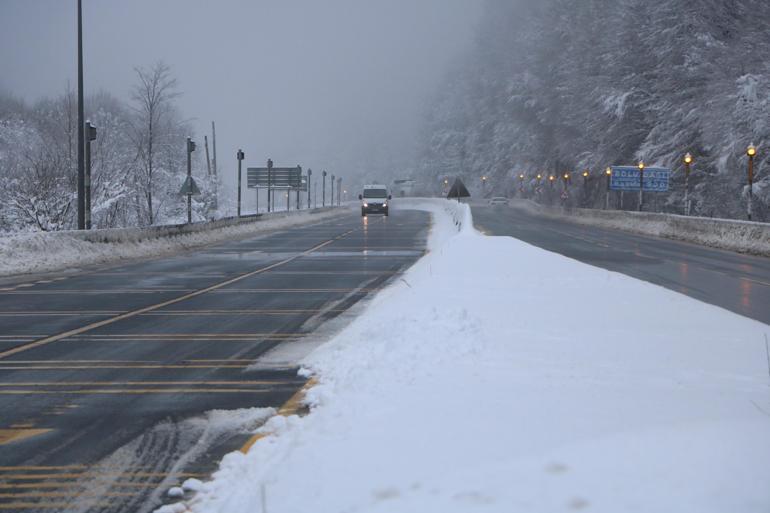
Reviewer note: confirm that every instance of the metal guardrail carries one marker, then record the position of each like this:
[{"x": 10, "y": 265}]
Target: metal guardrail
[
  {"x": 172, "y": 230},
  {"x": 733, "y": 235}
]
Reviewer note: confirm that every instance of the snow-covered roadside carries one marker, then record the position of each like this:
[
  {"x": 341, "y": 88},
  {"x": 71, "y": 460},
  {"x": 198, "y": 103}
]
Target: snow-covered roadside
[
  {"x": 729, "y": 234},
  {"x": 501, "y": 377},
  {"x": 39, "y": 252}
]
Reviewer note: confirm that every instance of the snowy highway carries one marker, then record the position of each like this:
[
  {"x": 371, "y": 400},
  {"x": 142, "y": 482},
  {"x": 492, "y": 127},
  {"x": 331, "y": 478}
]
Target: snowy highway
[
  {"x": 739, "y": 283},
  {"x": 112, "y": 378}
]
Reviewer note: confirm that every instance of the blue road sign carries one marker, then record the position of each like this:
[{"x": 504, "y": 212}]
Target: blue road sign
[{"x": 626, "y": 178}]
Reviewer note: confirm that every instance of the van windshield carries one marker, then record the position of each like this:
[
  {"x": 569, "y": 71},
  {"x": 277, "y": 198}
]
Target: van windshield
[{"x": 375, "y": 193}]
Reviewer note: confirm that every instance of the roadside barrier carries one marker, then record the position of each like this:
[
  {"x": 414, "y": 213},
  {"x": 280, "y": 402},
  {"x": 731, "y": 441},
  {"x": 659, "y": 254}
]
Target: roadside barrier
[{"x": 733, "y": 235}]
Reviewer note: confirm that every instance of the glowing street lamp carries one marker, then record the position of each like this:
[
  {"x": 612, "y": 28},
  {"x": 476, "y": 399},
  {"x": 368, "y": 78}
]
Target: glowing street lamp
[
  {"x": 751, "y": 151},
  {"x": 687, "y": 161},
  {"x": 608, "y": 174},
  {"x": 551, "y": 179},
  {"x": 641, "y": 185}
]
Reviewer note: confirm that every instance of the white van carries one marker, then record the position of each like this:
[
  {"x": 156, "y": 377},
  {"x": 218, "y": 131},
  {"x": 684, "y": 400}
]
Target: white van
[{"x": 374, "y": 200}]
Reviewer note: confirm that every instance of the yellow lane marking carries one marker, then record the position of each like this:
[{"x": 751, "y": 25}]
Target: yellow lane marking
[
  {"x": 78, "y": 475},
  {"x": 148, "y": 383},
  {"x": 91, "y": 367},
  {"x": 247, "y": 291},
  {"x": 73, "y": 493},
  {"x": 57, "y": 313},
  {"x": 128, "y": 315},
  {"x": 135, "y": 391},
  {"x": 72, "y": 484},
  {"x": 14, "y": 435},
  {"x": 61, "y": 506},
  {"x": 191, "y": 335},
  {"x": 91, "y": 291},
  {"x": 290, "y": 407},
  {"x": 239, "y": 312}
]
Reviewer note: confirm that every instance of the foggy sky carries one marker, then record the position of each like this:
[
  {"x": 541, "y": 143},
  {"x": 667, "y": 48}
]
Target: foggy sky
[{"x": 323, "y": 83}]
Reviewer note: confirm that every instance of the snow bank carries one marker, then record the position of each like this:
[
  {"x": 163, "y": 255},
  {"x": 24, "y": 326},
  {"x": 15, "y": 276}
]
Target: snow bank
[
  {"x": 729, "y": 234},
  {"x": 36, "y": 252},
  {"x": 508, "y": 378}
]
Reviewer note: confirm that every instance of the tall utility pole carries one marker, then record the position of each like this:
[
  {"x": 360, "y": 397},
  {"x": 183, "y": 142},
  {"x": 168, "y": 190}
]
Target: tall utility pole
[
  {"x": 214, "y": 147},
  {"x": 240, "y": 155},
  {"x": 339, "y": 190},
  {"x": 81, "y": 138},
  {"x": 190, "y": 149},
  {"x": 332, "y": 189},
  {"x": 309, "y": 174},
  {"x": 641, "y": 186},
  {"x": 90, "y": 135},
  {"x": 208, "y": 160},
  {"x": 269, "y": 184},
  {"x": 323, "y": 190}
]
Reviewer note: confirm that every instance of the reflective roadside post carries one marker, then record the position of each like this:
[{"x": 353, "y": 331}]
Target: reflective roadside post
[
  {"x": 641, "y": 185},
  {"x": 323, "y": 190},
  {"x": 190, "y": 149},
  {"x": 240, "y": 156},
  {"x": 269, "y": 184},
  {"x": 90, "y": 136},
  {"x": 309, "y": 174},
  {"x": 687, "y": 161},
  {"x": 751, "y": 152},
  {"x": 608, "y": 173}
]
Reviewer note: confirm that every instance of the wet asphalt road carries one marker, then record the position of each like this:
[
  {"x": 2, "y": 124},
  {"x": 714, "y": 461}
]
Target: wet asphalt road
[
  {"x": 105, "y": 376},
  {"x": 739, "y": 283}
]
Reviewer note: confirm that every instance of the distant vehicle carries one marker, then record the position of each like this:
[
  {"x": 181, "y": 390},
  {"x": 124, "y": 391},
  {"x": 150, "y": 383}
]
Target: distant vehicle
[
  {"x": 498, "y": 200},
  {"x": 374, "y": 200}
]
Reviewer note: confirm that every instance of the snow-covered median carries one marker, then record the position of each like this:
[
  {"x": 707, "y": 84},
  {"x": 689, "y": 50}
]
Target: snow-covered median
[
  {"x": 38, "y": 252},
  {"x": 501, "y": 377}
]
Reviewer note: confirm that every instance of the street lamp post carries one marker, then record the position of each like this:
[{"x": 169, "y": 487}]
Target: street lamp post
[
  {"x": 269, "y": 184},
  {"x": 190, "y": 149},
  {"x": 240, "y": 156},
  {"x": 332, "y": 191},
  {"x": 90, "y": 135},
  {"x": 608, "y": 173},
  {"x": 552, "y": 179},
  {"x": 309, "y": 174},
  {"x": 751, "y": 152},
  {"x": 521, "y": 184},
  {"x": 323, "y": 189},
  {"x": 81, "y": 135},
  {"x": 339, "y": 191},
  {"x": 641, "y": 185},
  {"x": 585, "y": 187},
  {"x": 687, "y": 162}
]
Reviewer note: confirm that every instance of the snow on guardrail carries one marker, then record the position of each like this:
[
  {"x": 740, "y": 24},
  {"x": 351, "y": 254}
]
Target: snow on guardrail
[
  {"x": 37, "y": 252},
  {"x": 733, "y": 235}
]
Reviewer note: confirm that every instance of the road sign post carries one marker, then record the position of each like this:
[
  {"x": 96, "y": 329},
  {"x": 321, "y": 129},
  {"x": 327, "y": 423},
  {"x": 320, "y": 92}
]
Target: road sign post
[
  {"x": 190, "y": 149},
  {"x": 239, "y": 155},
  {"x": 269, "y": 183}
]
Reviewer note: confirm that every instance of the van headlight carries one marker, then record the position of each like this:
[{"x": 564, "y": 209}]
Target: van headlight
[
  {"x": 384, "y": 205},
  {"x": 366, "y": 204}
]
